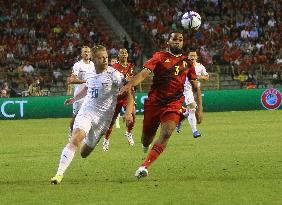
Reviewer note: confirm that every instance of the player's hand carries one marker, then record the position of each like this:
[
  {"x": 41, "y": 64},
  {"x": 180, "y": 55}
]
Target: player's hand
[
  {"x": 125, "y": 89},
  {"x": 68, "y": 80},
  {"x": 69, "y": 101}
]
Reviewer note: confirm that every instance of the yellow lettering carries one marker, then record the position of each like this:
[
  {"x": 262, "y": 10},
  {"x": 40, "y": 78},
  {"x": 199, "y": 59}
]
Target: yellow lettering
[{"x": 176, "y": 70}]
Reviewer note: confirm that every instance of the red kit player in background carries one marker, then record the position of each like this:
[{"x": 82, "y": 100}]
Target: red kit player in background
[
  {"x": 165, "y": 99},
  {"x": 126, "y": 69}
]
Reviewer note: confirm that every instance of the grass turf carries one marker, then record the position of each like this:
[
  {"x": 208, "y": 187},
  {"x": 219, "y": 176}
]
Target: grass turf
[{"x": 237, "y": 160}]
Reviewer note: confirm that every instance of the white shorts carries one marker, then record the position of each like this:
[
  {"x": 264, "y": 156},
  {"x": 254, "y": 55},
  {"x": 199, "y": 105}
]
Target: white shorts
[
  {"x": 76, "y": 106},
  {"x": 189, "y": 97},
  {"x": 94, "y": 124}
]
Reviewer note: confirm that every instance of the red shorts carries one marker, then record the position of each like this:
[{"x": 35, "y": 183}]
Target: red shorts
[{"x": 154, "y": 115}]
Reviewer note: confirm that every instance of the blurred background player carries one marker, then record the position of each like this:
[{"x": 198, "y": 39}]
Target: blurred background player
[
  {"x": 165, "y": 99},
  {"x": 126, "y": 69},
  {"x": 96, "y": 113},
  {"x": 114, "y": 60},
  {"x": 78, "y": 78},
  {"x": 191, "y": 109}
]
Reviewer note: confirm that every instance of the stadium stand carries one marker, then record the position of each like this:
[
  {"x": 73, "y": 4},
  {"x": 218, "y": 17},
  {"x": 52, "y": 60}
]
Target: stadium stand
[
  {"x": 45, "y": 36},
  {"x": 38, "y": 39},
  {"x": 245, "y": 39}
]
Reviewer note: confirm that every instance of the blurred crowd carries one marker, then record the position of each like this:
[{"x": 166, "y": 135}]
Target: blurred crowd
[
  {"x": 39, "y": 38},
  {"x": 242, "y": 34}
]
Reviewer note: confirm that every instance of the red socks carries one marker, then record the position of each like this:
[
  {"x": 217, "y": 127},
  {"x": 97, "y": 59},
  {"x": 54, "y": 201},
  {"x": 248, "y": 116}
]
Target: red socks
[
  {"x": 154, "y": 154},
  {"x": 108, "y": 133}
]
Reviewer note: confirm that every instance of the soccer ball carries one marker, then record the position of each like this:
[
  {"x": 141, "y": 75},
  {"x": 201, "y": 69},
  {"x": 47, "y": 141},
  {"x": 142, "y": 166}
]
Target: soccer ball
[{"x": 191, "y": 20}]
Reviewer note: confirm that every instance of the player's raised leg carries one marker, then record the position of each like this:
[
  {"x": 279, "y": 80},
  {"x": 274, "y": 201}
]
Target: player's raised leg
[
  {"x": 168, "y": 121},
  {"x": 68, "y": 154},
  {"x": 166, "y": 130}
]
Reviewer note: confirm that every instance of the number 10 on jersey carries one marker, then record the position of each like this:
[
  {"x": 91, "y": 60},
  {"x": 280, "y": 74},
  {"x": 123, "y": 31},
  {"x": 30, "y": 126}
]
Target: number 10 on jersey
[{"x": 94, "y": 93}]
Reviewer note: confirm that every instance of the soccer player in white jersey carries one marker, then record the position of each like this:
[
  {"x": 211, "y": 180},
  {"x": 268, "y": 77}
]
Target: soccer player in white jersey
[
  {"x": 78, "y": 78},
  {"x": 189, "y": 95},
  {"x": 96, "y": 112}
]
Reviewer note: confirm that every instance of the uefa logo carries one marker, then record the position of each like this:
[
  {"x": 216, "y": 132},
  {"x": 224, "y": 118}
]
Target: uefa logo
[{"x": 271, "y": 99}]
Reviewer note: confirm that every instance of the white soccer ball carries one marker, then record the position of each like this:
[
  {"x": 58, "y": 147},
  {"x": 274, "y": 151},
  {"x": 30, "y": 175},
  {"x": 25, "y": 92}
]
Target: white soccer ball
[{"x": 191, "y": 20}]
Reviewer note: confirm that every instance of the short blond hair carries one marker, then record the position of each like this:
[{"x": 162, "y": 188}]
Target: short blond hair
[{"x": 98, "y": 48}]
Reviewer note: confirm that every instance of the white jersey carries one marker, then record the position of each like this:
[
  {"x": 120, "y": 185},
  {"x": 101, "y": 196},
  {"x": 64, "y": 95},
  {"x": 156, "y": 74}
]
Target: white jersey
[
  {"x": 97, "y": 110},
  {"x": 79, "y": 69},
  {"x": 102, "y": 89},
  {"x": 188, "y": 93},
  {"x": 200, "y": 71}
]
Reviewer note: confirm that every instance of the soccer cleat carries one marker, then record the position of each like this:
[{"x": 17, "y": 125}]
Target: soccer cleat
[
  {"x": 196, "y": 134},
  {"x": 178, "y": 127},
  {"x": 129, "y": 138},
  {"x": 141, "y": 172},
  {"x": 106, "y": 145},
  {"x": 57, "y": 179},
  {"x": 145, "y": 149}
]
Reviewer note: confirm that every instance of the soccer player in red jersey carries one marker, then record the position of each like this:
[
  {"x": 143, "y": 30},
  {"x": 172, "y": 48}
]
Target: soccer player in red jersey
[
  {"x": 126, "y": 69},
  {"x": 165, "y": 99}
]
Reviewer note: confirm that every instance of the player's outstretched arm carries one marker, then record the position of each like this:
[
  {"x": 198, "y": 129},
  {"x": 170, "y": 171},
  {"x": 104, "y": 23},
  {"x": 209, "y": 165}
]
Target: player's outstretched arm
[
  {"x": 198, "y": 97},
  {"x": 74, "y": 80},
  {"x": 135, "y": 81},
  {"x": 80, "y": 95},
  {"x": 203, "y": 77}
]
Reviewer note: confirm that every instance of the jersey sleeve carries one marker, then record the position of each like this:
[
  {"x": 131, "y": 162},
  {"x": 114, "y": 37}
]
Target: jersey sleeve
[
  {"x": 192, "y": 73},
  {"x": 204, "y": 71},
  {"x": 152, "y": 63},
  {"x": 75, "y": 69}
]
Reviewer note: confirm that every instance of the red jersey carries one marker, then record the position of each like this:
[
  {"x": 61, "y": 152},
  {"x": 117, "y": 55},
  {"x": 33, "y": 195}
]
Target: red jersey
[
  {"x": 170, "y": 72},
  {"x": 127, "y": 71}
]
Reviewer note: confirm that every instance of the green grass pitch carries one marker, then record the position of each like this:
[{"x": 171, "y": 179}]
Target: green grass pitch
[{"x": 238, "y": 160}]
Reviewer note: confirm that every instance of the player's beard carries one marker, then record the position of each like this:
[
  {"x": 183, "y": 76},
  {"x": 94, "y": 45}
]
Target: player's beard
[{"x": 175, "y": 50}]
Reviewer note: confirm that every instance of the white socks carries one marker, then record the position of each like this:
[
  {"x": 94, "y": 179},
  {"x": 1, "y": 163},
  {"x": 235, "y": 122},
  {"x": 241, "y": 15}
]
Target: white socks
[
  {"x": 192, "y": 119},
  {"x": 66, "y": 158},
  {"x": 117, "y": 121}
]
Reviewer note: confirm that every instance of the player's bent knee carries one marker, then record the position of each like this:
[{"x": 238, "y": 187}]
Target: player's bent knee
[{"x": 77, "y": 137}]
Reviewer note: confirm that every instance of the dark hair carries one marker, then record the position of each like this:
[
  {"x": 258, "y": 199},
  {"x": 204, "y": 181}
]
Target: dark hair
[
  {"x": 193, "y": 49},
  {"x": 113, "y": 57},
  {"x": 82, "y": 47},
  {"x": 170, "y": 33}
]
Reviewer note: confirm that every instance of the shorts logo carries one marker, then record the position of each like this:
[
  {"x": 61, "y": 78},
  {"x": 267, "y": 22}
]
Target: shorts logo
[{"x": 271, "y": 99}]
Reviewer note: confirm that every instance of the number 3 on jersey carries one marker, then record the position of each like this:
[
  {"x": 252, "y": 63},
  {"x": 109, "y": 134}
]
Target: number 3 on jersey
[
  {"x": 94, "y": 93},
  {"x": 176, "y": 70}
]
